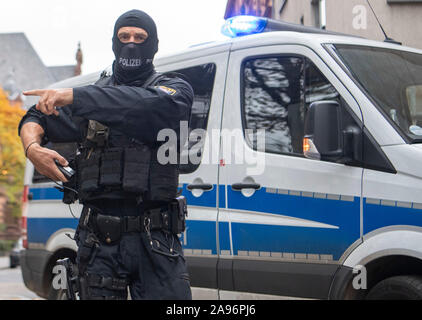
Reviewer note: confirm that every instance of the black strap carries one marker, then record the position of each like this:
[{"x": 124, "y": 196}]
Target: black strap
[
  {"x": 132, "y": 224},
  {"x": 152, "y": 80},
  {"x": 98, "y": 281},
  {"x": 159, "y": 219}
]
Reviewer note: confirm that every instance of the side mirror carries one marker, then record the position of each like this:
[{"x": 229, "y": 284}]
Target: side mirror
[{"x": 323, "y": 138}]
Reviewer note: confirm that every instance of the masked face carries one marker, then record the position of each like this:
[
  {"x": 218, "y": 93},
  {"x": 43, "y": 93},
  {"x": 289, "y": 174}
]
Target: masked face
[
  {"x": 130, "y": 57},
  {"x": 135, "y": 44}
]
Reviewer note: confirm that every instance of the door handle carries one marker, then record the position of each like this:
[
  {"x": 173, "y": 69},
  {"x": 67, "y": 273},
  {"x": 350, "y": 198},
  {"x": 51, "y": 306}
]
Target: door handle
[
  {"x": 200, "y": 186},
  {"x": 241, "y": 186}
]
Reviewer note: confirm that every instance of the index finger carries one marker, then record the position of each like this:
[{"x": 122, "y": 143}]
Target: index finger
[{"x": 34, "y": 92}]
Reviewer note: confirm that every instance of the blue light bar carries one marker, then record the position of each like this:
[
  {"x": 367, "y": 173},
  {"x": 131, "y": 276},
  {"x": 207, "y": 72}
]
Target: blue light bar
[{"x": 243, "y": 25}]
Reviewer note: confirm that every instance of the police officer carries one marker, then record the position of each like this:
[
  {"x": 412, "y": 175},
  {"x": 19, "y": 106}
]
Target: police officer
[{"x": 127, "y": 232}]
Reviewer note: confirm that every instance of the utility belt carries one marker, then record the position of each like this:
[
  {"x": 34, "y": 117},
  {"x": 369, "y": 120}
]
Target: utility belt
[{"x": 109, "y": 229}]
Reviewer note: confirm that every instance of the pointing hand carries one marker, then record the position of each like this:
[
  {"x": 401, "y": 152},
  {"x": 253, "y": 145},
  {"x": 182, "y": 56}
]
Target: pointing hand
[{"x": 50, "y": 99}]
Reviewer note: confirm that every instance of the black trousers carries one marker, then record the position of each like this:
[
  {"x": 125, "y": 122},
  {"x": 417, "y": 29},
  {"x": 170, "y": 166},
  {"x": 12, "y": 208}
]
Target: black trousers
[{"x": 149, "y": 275}]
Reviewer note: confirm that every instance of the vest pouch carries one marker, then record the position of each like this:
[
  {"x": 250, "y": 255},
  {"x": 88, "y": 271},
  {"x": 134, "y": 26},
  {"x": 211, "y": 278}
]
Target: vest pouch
[
  {"x": 164, "y": 181},
  {"x": 178, "y": 210},
  {"x": 89, "y": 173},
  {"x": 111, "y": 167},
  {"x": 136, "y": 169}
]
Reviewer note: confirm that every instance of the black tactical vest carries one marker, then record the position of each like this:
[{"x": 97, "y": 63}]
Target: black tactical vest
[{"x": 112, "y": 165}]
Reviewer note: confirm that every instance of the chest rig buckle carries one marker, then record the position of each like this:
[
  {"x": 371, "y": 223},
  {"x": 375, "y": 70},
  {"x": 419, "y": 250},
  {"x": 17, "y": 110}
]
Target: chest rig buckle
[{"x": 97, "y": 133}]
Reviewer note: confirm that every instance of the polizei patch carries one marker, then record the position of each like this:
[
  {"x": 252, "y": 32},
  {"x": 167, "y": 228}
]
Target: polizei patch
[
  {"x": 130, "y": 62},
  {"x": 167, "y": 90}
]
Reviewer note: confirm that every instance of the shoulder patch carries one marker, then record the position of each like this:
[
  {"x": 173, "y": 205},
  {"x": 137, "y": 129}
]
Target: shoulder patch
[{"x": 167, "y": 90}]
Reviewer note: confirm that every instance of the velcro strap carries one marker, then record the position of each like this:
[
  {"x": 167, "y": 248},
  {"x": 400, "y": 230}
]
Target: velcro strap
[
  {"x": 132, "y": 224},
  {"x": 159, "y": 219},
  {"x": 107, "y": 282}
]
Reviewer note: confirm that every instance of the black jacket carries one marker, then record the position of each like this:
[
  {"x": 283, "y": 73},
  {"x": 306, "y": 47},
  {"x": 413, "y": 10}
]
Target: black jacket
[
  {"x": 129, "y": 112},
  {"x": 135, "y": 112}
]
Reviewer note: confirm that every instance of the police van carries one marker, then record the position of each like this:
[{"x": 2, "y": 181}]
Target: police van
[{"x": 303, "y": 174}]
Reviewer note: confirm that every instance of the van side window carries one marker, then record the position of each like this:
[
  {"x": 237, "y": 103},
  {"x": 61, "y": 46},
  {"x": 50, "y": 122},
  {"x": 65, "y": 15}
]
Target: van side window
[
  {"x": 277, "y": 92},
  {"x": 201, "y": 78}
]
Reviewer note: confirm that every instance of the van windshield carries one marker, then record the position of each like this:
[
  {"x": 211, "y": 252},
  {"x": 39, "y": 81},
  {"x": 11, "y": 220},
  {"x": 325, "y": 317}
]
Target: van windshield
[{"x": 393, "y": 79}]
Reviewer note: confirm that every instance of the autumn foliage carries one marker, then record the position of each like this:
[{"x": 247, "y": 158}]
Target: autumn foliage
[{"x": 12, "y": 158}]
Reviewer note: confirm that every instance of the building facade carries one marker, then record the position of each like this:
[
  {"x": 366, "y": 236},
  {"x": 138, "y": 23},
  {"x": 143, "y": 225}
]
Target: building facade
[
  {"x": 306, "y": 12},
  {"x": 22, "y": 69},
  {"x": 401, "y": 19}
]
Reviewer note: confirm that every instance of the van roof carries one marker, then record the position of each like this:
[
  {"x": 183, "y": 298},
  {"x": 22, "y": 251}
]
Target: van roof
[
  {"x": 310, "y": 37},
  {"x": 313, "y": 40}
]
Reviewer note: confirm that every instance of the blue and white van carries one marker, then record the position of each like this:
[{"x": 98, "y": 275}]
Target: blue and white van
[{"x": 327, "y": 206}]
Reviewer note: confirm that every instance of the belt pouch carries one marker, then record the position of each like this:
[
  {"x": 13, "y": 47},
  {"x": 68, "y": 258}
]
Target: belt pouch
[
  {"x": 108, "y": 228},
  {"x": 164, "y": 181},
  {"x": 89, "y": 173},
  {"x": 178, "y": 212},
  {"x": 111, "y": 168},
  {"x": 136, "y": 169}
]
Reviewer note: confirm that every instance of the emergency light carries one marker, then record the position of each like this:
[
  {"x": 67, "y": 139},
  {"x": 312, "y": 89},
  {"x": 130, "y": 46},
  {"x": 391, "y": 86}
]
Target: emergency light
[{"x": 243, "y": 25}]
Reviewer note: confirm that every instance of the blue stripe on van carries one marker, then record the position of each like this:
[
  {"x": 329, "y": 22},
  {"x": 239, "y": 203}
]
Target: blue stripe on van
[
  {"x": 199, "y": 234},
  {"x": 46, "y": 194},
  {"x": 379, "y": 216},
  {"x": 289, "y": 239},
  {"x": 267, "y": 238},
  {"x": 41, "y": 229},
  {"x": 208, "y": 199}
]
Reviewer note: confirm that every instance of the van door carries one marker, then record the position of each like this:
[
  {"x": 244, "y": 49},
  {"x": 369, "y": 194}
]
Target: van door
[
  {"x": 199, "y": 175},
  {"x": 290, "y": 219}
]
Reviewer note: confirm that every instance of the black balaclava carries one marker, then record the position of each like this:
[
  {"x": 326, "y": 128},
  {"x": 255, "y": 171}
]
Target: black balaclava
[{"x": 134, "y": 61}]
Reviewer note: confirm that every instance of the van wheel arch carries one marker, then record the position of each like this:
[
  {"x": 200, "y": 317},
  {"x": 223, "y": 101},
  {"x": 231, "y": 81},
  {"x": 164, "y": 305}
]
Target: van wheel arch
[{"x": 381, "y": 269}]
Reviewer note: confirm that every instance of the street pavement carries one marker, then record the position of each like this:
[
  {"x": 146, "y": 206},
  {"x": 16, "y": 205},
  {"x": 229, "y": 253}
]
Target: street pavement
[{"x": 11, "y": 283}]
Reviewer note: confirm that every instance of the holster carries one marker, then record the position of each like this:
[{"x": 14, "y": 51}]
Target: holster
[{"x": 72, "y": 284}]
